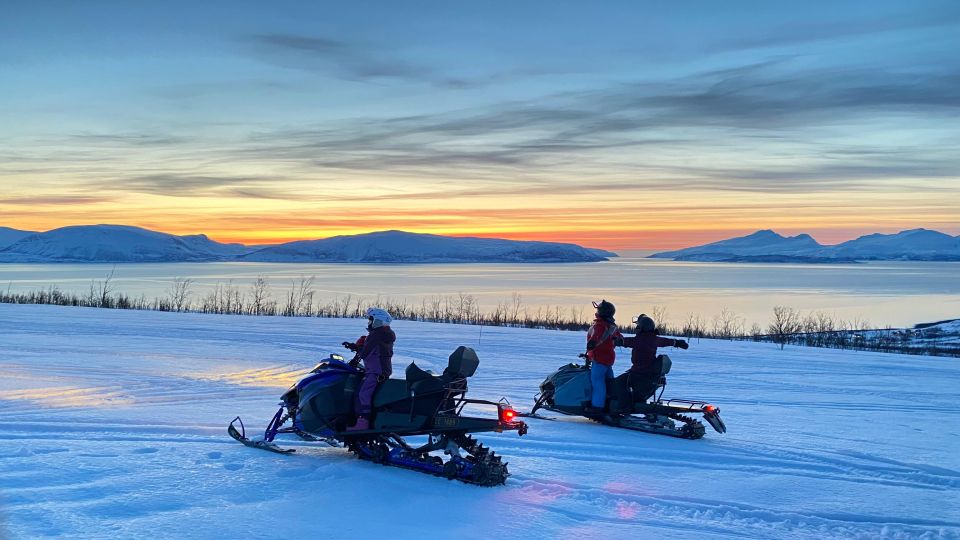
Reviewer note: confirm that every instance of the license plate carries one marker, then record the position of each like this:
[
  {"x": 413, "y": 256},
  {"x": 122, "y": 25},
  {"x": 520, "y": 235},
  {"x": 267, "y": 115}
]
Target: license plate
[{"x": 446, "y": 422}]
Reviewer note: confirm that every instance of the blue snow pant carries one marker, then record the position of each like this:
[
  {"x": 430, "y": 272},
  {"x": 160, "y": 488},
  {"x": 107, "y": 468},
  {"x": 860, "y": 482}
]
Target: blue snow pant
[{"x": 599, "y": 374}]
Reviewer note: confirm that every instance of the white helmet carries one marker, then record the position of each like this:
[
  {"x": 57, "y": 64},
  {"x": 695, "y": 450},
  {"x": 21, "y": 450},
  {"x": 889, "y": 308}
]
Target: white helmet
[{"x": 378, "y": 317}]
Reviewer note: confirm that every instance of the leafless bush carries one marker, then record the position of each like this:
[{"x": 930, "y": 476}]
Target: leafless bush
[
  {"x": 100, "y": 290},
  {"x": 785, "y": 321},
  {"x": 728, "y": 324},
  {"x": 261, "y": 301},
  {"x": 179, "y": 295},
  {"x": 694, "y": 327},
  {"x": 300, "y": 298}
]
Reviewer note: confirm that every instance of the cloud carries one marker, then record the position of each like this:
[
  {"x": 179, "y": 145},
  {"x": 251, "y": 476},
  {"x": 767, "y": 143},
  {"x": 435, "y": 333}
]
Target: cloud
[
  {"x": 130, "y": 139},
  {"x": 825, "y": 30},
  {"x": 183, "y": 185},
  {"x": 53, "y": 200},
  {"x": 367, "y": 62},
  {"x": 643, "y": 129},
  {"x": 351, "y": 60}
]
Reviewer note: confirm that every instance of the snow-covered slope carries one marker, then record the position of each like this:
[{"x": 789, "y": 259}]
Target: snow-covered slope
[
  {"x": 405, "y": 247},
  {"x": 768, "y": 246},
  {"x": 9, "y": 236},
  {"x": 115, "y": 243},
  {"x": 112, "y": 425}
]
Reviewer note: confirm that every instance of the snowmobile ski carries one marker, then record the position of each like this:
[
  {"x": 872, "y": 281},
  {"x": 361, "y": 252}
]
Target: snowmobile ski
[{"x": 241, "y": 437}]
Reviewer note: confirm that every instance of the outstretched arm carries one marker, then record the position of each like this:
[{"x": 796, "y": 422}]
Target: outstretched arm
[{"x": 667, "y": 342}]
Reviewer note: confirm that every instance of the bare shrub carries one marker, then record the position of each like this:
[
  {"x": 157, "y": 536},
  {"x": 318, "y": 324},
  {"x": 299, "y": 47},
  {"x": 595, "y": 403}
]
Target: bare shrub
[
  {"x": 785, "y": 322},
  {"x": 179, "y": 295}
]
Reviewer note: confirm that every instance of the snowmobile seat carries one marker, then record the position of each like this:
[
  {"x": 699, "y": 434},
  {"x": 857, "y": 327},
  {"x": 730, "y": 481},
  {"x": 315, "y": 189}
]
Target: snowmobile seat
[
  {"x": 462, "y": 364},
  {"x": 390, "y": 391},
  {"x": 420, "y": 381}
]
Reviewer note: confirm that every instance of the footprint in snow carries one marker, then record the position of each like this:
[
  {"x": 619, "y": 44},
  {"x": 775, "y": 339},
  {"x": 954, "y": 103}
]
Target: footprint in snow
[
  {"x": 145, "y": 450},
  {"x": 233, "y": 466},
  {"x": 215, "y": 455}
]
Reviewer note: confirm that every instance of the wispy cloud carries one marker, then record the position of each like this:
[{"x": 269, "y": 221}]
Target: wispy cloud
[
  {"x": 797, "y": 33},
  {"x": 185, "y": 185},
  {"x": 53, "y": 200},
  {"x": 129, "y": 139},
  {"x": 625, "y": 128},
  {"x": 348, "y": 60}
]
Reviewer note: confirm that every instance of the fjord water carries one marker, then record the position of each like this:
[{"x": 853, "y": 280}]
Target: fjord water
[{"x": 883, "y": 293}]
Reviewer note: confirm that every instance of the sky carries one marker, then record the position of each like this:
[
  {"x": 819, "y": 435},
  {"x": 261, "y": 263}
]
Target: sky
[{"x": 621, "y": 125}]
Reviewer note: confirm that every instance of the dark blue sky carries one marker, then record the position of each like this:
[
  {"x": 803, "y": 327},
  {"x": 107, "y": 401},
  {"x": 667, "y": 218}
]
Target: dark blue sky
[{"x": 840, "y": 116}]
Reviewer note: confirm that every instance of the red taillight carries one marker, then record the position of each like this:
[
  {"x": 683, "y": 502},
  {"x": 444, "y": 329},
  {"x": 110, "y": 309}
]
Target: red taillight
[
  {"x": 507, "y": 415},
  {"x": 710, "y": 408}
]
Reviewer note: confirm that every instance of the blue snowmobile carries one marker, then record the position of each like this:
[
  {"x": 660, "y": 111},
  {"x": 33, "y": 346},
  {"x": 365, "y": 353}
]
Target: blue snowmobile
[{"x": 320, "y": 406}]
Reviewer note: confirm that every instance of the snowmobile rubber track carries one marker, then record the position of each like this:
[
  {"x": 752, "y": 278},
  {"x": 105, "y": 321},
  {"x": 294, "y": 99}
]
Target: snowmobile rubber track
[
  {"x": 481, "y": 467},
  {"x": 691, "y": 428}
]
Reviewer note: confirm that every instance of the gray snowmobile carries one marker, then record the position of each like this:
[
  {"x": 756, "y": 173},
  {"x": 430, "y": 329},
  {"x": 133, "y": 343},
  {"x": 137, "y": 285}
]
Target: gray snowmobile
[{"x": 568, "y": 391}]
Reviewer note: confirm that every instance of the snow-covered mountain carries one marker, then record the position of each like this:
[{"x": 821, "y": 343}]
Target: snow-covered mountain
[
  {"x": 121, "y": 243},
  {"x": 9, "y": 236},
  {"x": 116, "y": 243},
  {"x": 405, "y": 247},
  {"x": 768, "y": 246},
  {"x": 914, "y": 244},
  {"x": 759, "y": 244}
]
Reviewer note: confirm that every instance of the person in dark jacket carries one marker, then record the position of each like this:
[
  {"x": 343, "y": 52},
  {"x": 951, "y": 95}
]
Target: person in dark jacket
[
  {"x": 645, "y": 368},
  {"x": 376, "y": 354},
  {"x": 602, "y": 336}
]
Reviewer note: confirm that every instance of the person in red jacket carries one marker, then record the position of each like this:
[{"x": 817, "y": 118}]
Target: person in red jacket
[
  {"x": 602, "y": 336},
  {"x": 645, "y": 369}
]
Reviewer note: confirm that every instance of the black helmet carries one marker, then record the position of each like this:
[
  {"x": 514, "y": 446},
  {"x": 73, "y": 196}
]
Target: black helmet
[
  {"x": 645, "y": 323},
  {"x": 605, "y": 309}
]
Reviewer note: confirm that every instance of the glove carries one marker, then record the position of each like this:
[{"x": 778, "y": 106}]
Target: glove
[
  {"x": 681, "y": 344},
  {"x": 350, "y": 346},
  {"x": 591, "y": 345},
  {"x": 618, "y": 341}
]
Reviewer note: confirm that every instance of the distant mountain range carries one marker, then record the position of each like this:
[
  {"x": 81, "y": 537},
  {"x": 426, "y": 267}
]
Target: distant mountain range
[
  {"x": 121, "y": 243},
  {"x": 768, "y": 246}
]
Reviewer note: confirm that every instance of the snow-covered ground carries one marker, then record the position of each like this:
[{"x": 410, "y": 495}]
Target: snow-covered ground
[{"x": 112, "y": 425}]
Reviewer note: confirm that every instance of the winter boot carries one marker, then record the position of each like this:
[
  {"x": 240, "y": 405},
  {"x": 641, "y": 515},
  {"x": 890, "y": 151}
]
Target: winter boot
[
  {"x": 598, "y": 414},
  {"x": 362, "y": 424}
]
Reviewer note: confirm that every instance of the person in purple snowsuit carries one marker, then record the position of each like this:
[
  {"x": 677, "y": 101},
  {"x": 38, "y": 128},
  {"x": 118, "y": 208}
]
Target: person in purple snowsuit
[{"x": 377, "y": 354}]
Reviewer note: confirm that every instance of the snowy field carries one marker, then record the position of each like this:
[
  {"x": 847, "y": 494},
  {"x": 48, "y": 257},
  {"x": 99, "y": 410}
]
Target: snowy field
[{"x": 112, "y": 425}]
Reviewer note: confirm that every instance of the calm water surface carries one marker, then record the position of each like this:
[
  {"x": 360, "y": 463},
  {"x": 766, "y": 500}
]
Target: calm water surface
[{"x": 896, "y": 293}]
